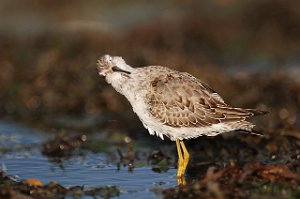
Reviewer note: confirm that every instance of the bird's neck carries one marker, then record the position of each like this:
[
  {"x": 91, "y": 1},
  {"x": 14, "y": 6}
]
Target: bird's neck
[{"x": 118, "y": 81}]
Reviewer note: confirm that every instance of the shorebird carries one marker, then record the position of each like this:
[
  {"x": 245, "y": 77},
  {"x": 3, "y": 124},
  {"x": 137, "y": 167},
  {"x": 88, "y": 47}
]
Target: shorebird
[{"x": 174, "y": 104}]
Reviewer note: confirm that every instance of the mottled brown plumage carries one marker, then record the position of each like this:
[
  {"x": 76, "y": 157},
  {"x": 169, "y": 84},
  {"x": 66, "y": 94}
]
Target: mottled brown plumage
[{"x": 179, "y": 99}]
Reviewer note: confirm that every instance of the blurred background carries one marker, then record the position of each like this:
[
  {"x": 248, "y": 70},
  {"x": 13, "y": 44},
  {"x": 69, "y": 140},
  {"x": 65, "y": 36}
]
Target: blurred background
[{"x": 248, "y": 51}]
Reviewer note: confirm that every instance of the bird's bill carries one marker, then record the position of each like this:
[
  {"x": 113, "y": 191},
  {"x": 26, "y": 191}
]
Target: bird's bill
[{"x": 117, "y": 69}]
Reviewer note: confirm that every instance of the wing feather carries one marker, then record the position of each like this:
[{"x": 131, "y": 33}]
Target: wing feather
[{"x": 179, "y": 99}]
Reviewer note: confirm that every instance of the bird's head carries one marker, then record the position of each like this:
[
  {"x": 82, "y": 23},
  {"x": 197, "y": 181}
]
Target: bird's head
[{"x": 112, "y": 65}]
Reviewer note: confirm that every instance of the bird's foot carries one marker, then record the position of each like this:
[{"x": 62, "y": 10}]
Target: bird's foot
[{"x": 181, "y": 180}]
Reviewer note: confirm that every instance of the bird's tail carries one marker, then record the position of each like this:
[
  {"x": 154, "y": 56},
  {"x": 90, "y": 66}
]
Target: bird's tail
[
  {"x": 256, "y": 132},
  {"x": 256, "y": 112},
  {"x": 247, "y": 127}
]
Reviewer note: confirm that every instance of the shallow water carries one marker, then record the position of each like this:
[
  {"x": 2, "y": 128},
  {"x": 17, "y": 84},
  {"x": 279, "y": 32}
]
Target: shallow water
[{"x": 25, "y": 160}]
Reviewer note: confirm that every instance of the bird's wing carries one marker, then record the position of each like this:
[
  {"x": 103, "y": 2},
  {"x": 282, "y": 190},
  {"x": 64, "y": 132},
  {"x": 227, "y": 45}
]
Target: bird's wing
[{"x": 181, "y": 100}]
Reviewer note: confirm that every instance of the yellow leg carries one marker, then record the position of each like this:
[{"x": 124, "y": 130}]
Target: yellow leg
[
  {"x": 186, "y": 156},
  {"x": 183, "y": 159},
  {"x": 180, "y": 159}
]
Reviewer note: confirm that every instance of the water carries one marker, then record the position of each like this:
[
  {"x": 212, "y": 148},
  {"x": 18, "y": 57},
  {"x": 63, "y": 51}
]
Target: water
[{"x": 90, "y": 170}]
